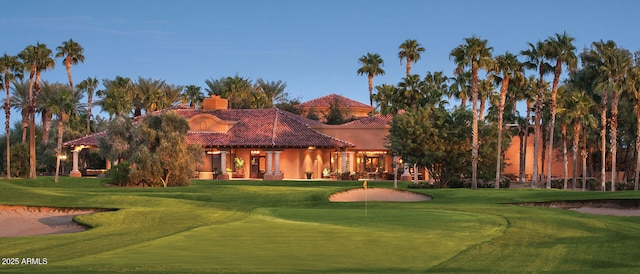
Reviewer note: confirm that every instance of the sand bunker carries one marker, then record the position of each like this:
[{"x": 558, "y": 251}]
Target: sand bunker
[
  {"x": 621, "y": 207},
  {"x": 378, "y": 194},
  {"x": 35, "y": 220}
]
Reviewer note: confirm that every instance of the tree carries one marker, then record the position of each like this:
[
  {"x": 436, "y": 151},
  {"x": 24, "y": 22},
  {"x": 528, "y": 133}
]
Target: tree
[
  {"x": 10, "y": 69},
  {"x": 386, "y": 98},
  {"x": 20, "y": 101},
  {"x": 371, "y": 66},
  {"x": 89, "y": 85},
  {"x": 461, "y": 87},
  {"x": 274, "y": 91},
  {"x": 117, "y": 96},
  {"x": 63, "y": 103},
  {"x": 72, "y": 53},
  {"x": 235, "y": 89},
  {"x": 610, "y": 63},
  {"x": 161, "y": 153},
  {"x": 410, "y": 50},
  {"x": 115, "y": 145},
  {"x": 633, "y": 84},
  {"x": 476, "y": 55},
  {"x": 561, "y": 49},
  {"x": 536, "y": 60},
  {"x": 193, "y": 97},
  {"x": 39, "y": 58},
  {"x": 506, "y": 67}
]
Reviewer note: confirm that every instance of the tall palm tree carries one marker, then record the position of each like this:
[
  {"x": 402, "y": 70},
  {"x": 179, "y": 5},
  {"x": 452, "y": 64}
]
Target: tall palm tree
[
  {"x": 561, "y": 49},
  {"x": 410, "y": 50},
  {"x": 10, "y": 69},
  {"x": 477, "y": 55},
  {"x": 607, "y": 60},
  {"x": 38, "y": 58},
  {"x": 274, "y": 91},
  {"x": 72, "y": 53},
  {"x": 506, "y": 67},
  {"x": 633, "y": 85},
  {"x": 485, "y": 92},
  {"x": 192, "y": 96},
  {"x": 625, "y": 62},
  {"x": 536, "y": 60},
  {"x": 385, "y": 97},
  {"x": 170, "y": 96},
  {"x": 62, "y": 104},
  {"x": 371, "y": 66},
  {"x": 150, "y": 92},
  {"x": 89, "y": 85}
]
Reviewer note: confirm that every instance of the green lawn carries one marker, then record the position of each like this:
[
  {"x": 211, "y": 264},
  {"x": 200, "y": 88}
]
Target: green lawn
[{"x": 286, "y": 226}]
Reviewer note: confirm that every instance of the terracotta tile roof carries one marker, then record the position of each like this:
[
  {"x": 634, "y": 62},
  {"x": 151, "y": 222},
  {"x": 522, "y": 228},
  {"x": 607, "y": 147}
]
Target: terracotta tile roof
[
  {"x": 375, "y": 120},
  {"x": 89, "y": 140},
  {"x": 254, "y": 128},
  {"x": 326, "y": 101}
]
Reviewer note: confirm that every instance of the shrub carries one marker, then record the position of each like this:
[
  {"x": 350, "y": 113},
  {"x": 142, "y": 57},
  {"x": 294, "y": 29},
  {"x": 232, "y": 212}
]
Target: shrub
[{"x": 119, "y": 174}]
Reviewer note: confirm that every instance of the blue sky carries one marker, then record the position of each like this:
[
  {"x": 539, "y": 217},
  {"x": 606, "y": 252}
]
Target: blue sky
[{"x": 313, "y": 46}]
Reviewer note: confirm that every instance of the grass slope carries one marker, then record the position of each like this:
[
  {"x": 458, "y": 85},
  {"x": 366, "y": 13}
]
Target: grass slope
[{"x": 286, "y": 226}]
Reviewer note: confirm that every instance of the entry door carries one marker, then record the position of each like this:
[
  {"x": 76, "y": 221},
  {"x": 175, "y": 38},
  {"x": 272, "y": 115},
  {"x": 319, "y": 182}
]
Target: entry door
[{"x": 257, "y": 165}]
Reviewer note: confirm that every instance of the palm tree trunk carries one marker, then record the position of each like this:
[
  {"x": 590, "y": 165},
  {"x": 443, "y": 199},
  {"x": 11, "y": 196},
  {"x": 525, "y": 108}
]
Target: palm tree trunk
[
  {"x": 46, "y": 125},
  {"x": 483, "y": 105},
  {"x": 584, "y": 158},
  {"x": 537, "y": 133},
  {"x": 603, "y": 137},
  {"x": 523, "y": 154},
  {"x": 32, "y": 124},
  {"x": 614, "y": 139},
  {"x": 67, "y": 64},
  {"x": 370, "y": 89},
  {"x": 409, "y": 66},
  {"x": 7, "y": 127},
  {"x": 553, "y": 108},
  {"x": 89, "y": 106},
  {"x": 59, "y": 146},
  {"x": 474, "y": 130},
  {"x": 637, "y": 177},
  {"x": 503, "y": 98},
  {"x": 564, "y": 157},
  {"x": 574, "y": 148}
]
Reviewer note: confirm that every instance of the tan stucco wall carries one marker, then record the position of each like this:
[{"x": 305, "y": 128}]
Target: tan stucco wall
[{"x": 512, "y": 160}]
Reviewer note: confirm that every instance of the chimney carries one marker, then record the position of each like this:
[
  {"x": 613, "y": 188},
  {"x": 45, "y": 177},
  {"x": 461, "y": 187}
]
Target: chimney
[{"x": 214, "y": 103}]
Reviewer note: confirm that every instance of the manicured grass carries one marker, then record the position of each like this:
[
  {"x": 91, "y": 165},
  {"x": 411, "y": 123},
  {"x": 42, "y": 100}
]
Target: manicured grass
[{"x": 290, "y": 226}]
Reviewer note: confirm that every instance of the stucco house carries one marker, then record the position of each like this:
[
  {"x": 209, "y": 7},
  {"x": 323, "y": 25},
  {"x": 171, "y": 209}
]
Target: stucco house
[{"x": 275, "y": 144}]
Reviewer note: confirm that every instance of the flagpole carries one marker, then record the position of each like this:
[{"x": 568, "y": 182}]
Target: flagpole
[{"x": 365, "y": 198}]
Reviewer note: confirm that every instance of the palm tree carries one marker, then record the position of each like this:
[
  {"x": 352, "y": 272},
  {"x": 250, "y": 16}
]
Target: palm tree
[
  {"x": 62, "y": 104},
  {"x": 625, "y": 62},
  {"x": 170, "y": 96},
  {"x": 608, "y": 61},
  {"x": 89, "y": 85},
  {"x": 10, "y": 69},
  {"x": 410, "y": 50},
  {"x": 47, "y": 91},
  {"x": 536, "y": 60},
  {"x": 506, "y": 67},
  {"x": 385, "y": 97},
  {"x": 117, "y": 96},
  {"x": 476, "y": 55},
  {"x": 192, "y": 96},
  {"x": 485, "y": 92},
  {"x": 561, "y": 49},
  {"x": 38, "y": 57},
  {"x": 274, "y": 92},
  {"x": 20, "y": 101},
  {"x": 150, "y": 93},
  {"x": 633, "y": 84},
  {"x": 371, "y": 66},
  {"x": 72, "y": 53},
  {"x": 461, "y": 87}
]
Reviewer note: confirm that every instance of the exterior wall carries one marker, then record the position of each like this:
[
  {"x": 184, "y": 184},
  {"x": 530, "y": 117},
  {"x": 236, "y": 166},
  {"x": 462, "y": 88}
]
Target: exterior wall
[{"x": 512, "y": 160}]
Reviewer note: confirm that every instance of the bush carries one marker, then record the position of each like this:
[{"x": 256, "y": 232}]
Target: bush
[
  {"x": 505, "y": 182},
  {"x": 422, "y": 185},
  {"x": 119, "y": 174}
]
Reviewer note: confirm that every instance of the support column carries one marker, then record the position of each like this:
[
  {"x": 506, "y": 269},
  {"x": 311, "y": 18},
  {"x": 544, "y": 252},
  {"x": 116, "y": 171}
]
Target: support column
[
  {"x": 75, "y": 172},
  {"x": 276, "y": 170},
  {"x": 352, "y": 161},
  {"x": 269, "y": 170},
  {"x": 223, "y": 165},
  {"x": 405, "y": 174}
]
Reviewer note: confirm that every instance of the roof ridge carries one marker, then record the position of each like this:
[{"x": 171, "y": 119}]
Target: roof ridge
[{"x": 275, "y": 125}]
